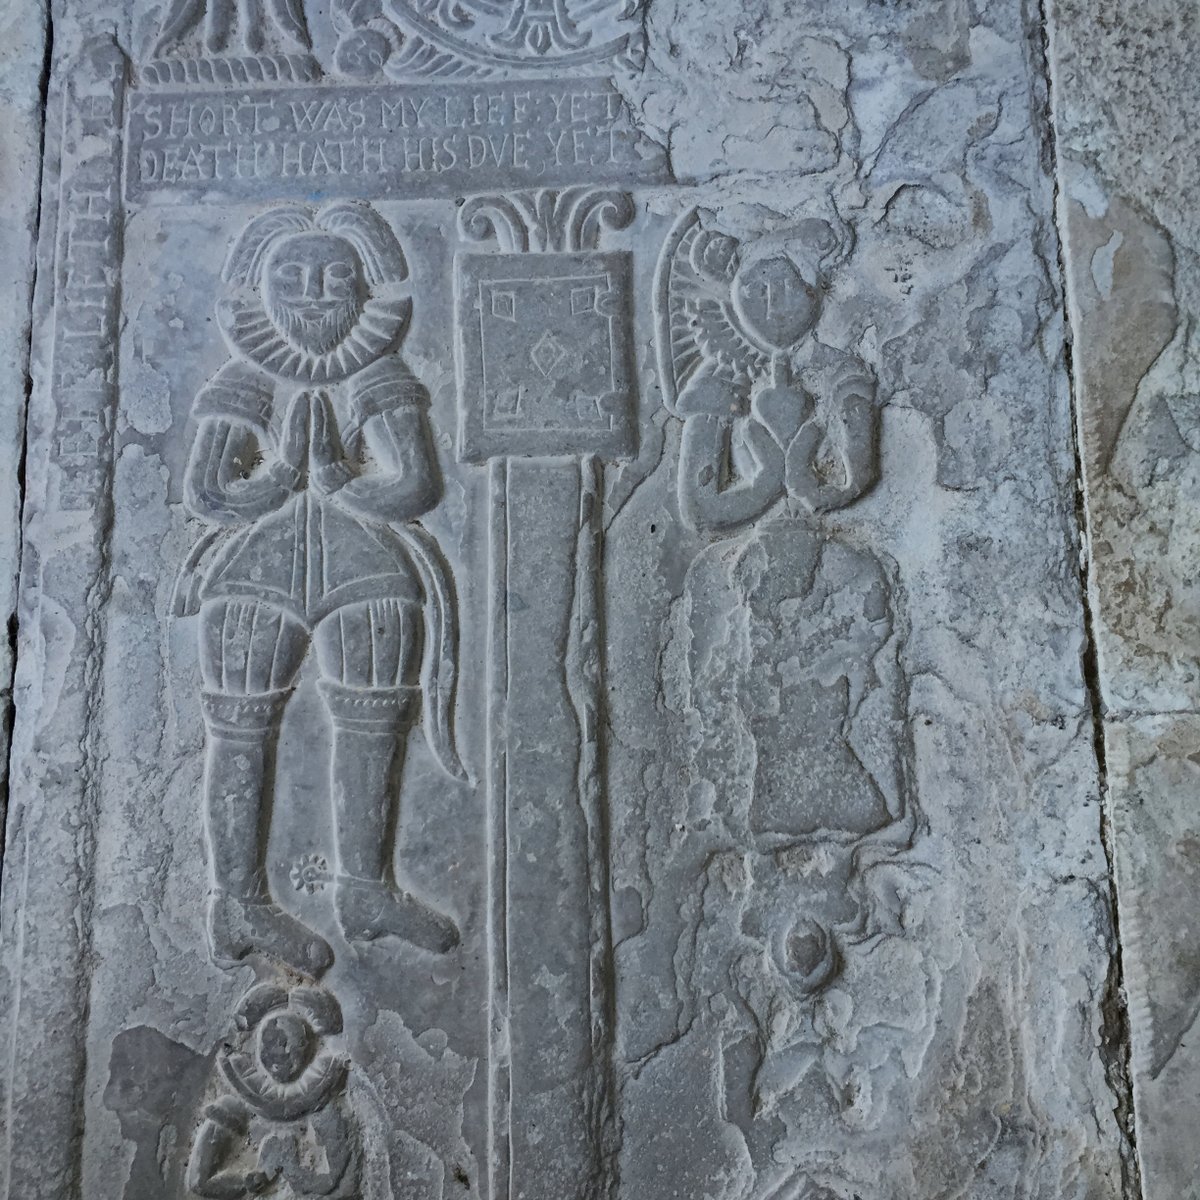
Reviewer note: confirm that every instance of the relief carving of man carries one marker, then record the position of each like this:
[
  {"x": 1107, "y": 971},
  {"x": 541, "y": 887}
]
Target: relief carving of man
[{"x": 311, "y": 460}]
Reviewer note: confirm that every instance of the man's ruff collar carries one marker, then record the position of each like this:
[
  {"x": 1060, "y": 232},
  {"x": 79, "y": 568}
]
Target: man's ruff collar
[{"x": 250, "y": 332}]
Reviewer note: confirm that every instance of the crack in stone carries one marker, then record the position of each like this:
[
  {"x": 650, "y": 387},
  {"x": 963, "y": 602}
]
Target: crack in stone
[
  {"x": 13, "y": 620},
  {"x": 1116, "y": 1045}
]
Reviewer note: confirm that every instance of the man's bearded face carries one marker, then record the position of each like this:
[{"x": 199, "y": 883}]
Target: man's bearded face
[{"x": 313, "y": 290}]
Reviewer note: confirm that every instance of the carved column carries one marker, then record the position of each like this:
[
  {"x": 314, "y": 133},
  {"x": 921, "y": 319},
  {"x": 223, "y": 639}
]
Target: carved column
[{"x": 546, "y": 396}]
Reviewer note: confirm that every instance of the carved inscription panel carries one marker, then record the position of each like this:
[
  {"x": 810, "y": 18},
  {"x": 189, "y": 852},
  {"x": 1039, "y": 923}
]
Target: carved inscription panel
[
  {"x": 552, "y": 659},
  {"x": 424, "y": 139}
]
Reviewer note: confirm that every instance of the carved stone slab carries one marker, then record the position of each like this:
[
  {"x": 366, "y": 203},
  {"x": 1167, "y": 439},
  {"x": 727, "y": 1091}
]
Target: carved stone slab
[
  {"x": 551, "y": 630},
  {"x": 1129, "y": 150}
]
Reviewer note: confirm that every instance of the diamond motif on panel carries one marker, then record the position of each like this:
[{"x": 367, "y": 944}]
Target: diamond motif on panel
[{"x": 547, "y": 354}]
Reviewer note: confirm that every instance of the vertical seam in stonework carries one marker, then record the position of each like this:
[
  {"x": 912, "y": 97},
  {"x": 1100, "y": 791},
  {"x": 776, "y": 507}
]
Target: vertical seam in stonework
[
  {"x": 586, "y": 695},
  {"x": 12, "y": 1002},
  {"x": 1116, "y": 1048},
  {"x": 12, "y": 624}
]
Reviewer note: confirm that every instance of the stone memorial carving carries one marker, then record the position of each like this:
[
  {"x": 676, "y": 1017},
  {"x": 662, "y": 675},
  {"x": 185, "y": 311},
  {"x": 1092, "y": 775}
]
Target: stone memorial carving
[
  {"x": 546, "y": 397},
  {"x": 281, "y": 1093},
  {"x": 312, "y": 456},
  {"x": 814, "y": 867},
  {"x": 562, "y": 310},
  {"x": 550, "y": 647},
  {"x": 414, "y": 38},
  {"x": 231, "y": 41}
]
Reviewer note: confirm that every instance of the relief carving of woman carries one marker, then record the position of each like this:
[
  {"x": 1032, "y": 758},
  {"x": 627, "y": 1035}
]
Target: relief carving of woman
[{"x": 777, "y": 427}]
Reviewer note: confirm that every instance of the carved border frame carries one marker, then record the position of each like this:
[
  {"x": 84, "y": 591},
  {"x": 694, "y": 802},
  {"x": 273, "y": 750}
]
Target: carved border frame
[{"x": 64, "y": 585}]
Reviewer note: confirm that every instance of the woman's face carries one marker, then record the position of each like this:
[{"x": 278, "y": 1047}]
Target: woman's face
[{"x": 775, "y": 302}]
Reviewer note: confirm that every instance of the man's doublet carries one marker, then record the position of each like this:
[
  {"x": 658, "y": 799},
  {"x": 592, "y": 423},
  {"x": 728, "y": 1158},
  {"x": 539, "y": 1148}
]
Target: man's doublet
[
  {"x": 312, "y": 554},
  {"x": 310, "y": 557}
]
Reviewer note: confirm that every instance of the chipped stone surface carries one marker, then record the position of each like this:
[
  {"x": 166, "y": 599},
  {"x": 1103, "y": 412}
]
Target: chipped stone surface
[
  {"x": 1125, "y": 100},
  {"x": 551, "y": 655}
]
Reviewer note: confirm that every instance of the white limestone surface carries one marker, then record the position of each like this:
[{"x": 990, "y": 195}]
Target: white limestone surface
[{"x": 1125, "y": 103}]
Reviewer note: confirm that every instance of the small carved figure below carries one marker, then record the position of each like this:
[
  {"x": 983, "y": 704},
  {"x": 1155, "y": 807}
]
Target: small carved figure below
[
  {"x": 312, "y": 458},
  {"x": 281, "y": 1125}
]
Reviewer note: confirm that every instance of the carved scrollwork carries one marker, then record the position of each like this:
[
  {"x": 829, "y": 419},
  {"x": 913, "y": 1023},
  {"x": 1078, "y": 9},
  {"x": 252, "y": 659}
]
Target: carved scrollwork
[
  {"x": 220, "y": 41},
  {"x": 495, "y": 216},
  {"x": 571, "y": 219},
  {"x": 541, "y": 26},
  {"x": 481, "y": 38}
]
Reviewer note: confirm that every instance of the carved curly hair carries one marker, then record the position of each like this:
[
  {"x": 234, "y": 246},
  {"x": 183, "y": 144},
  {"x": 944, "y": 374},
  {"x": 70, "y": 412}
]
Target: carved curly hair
[{"x": 359, "y": 225}]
